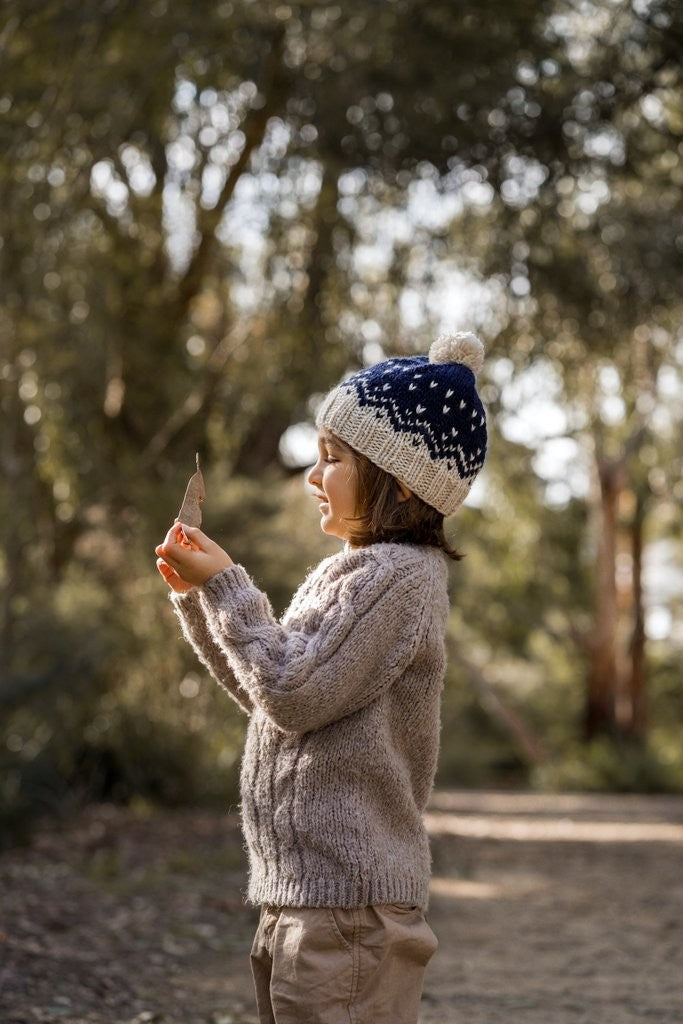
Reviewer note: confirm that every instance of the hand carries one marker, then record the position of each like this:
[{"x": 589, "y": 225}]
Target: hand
[
  {"x": 172, "y": 578},
  {"x": 191, "y": 556}
]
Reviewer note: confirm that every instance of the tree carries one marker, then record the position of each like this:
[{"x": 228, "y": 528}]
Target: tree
[
  {"x": 593, "y": 268},
  {"x": 187, "y": 193}
]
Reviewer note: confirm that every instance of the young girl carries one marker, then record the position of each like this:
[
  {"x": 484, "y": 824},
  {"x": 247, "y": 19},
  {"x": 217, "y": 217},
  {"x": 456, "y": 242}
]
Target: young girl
[{"x": 343, "y": 692}]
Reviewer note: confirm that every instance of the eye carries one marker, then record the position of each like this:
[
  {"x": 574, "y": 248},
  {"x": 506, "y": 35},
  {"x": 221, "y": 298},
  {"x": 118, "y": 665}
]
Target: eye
[{"x": 330, "y": 458}]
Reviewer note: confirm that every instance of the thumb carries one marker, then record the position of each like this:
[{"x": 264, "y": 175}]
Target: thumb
[{"x": 195, "y": 536}]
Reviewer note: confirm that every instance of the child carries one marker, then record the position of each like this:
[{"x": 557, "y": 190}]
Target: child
[{"x": 343, "y": 692}]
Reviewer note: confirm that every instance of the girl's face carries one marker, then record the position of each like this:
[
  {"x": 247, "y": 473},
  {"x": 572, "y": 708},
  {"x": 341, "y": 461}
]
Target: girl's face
[{"x": 334, "y": 482}]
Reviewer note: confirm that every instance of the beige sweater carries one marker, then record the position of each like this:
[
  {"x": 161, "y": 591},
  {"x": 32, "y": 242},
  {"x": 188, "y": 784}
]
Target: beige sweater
[{"x": 343, "y": 695}]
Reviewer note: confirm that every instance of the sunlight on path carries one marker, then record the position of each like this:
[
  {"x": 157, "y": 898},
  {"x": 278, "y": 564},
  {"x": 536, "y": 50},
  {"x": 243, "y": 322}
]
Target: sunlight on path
[
  {"x": 551, "y": 830},
  {"x": 530, "y": 817},
  {"x": 555, "y": 909},
  {"x": 463, "y": 888}
]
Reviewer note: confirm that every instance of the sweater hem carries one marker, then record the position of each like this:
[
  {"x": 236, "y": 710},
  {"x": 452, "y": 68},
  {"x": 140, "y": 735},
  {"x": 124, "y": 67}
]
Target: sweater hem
[{"x": 319, "y": 892}]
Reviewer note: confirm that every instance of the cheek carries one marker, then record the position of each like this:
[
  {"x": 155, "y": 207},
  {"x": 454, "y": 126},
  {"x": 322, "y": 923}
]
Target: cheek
[
  {"x": 340, "y": 483},
  {"x": 350, "y": 489}
]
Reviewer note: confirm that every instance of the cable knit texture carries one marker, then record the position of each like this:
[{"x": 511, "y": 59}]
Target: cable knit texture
[{"x": 343, "y": 694}]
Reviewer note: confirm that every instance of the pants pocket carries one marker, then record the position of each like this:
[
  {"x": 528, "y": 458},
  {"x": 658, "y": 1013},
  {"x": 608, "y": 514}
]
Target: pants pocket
[
  {"x": 407, "y": 927},
  {"x": 339, "y": 924}
]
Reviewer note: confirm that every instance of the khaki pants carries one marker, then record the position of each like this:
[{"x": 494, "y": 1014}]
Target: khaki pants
[{"x": 331, "y": 966}]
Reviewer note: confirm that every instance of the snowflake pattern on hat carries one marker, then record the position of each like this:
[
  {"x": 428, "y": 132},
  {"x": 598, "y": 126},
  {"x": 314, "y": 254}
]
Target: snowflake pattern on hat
[
  {"x": 435, "y": 405},
  {"x": 418, "y": 418}
]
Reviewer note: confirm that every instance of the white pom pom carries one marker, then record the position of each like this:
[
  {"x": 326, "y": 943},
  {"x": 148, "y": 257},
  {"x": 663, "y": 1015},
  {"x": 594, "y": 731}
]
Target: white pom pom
[{"x": 463, "y": 347}]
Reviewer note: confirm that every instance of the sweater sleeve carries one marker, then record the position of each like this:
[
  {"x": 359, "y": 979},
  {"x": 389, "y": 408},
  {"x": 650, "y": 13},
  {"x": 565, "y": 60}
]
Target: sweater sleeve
[
  {"x": 344, "y": 655},
  {"x": 189, "y": 610}
]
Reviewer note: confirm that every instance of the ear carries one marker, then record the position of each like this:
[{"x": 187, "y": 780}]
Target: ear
[{"x": 404, "y": 492}]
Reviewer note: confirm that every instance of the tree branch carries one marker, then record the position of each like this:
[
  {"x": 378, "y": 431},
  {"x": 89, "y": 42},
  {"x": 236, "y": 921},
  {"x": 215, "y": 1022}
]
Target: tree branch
[
  {"x": 531, "y": 746},
  {"x": 254, "y": 131}
]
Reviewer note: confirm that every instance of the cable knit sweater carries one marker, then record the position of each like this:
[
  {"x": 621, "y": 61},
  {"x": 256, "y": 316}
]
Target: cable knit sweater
[{"x": 343, "y": 694}]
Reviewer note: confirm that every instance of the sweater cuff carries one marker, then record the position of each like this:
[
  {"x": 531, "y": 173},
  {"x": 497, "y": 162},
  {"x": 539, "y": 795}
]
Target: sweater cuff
[
  {"x": 235, "y": 604},
  {"x": 222, "y": 588},
  {"x": 187, "y": 603}
]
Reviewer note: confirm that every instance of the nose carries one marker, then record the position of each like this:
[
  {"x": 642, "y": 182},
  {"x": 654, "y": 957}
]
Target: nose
[{"x": 314, "y": 475}]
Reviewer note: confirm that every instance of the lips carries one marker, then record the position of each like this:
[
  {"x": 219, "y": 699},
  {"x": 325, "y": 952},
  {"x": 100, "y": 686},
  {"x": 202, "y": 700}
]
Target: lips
[{"x": 323, "y": 502}]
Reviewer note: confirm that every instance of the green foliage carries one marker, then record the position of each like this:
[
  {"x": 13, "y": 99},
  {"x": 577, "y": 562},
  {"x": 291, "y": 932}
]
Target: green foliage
[
  {"x": 97, "y": 714},
  {"x": 210, "y": 213},
  {"x": 476, "y": 751},
  {"x": 111, "y": 703},
  {"x": 613, "y": 765}
]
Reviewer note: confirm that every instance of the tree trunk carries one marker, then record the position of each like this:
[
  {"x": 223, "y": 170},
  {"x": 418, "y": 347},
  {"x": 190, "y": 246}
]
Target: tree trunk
[
  {"x": 636, "y": 680},
  {"x": 313, "y": 364},
  {"x": 602, "y": 672},
  {"x": 530, "y": 746}
]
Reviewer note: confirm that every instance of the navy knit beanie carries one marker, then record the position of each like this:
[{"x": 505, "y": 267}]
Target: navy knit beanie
[{"x": 417, "y": 417}]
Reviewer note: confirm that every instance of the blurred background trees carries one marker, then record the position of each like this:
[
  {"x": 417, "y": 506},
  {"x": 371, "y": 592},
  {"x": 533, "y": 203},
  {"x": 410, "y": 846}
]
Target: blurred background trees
[{"x": 211, "y": 213}]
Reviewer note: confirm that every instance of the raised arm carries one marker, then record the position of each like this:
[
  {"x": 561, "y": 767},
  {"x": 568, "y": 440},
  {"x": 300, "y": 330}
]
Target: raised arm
[
  {"x": 342, "y": 655},
  {"x": 189, "y": 610}
]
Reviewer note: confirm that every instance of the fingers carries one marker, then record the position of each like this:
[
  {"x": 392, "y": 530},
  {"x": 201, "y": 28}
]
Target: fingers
[
  {"x": 175, "y": 582},
  {"x": 164, "y": 568},
  {"x": 164, "y": 557},
  {"x": 172, "y": 549},
  {"x": 198, "y": 541},
  {"x": 173, "y": 536},
  {"x": 179, "y": 554},
  {"x": 187, "y": 537},
  {"x": 169, "y": 574},
  {"x": 192, "y": 556},
  {"x": 167, "y": 556}
]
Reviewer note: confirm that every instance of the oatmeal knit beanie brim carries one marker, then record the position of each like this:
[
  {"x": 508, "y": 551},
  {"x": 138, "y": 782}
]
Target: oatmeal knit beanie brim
[{"x": 419, "y": 418}]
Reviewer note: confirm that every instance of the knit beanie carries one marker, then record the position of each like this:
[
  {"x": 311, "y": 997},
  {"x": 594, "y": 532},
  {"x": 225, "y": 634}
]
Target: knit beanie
[{"x": 417, "y": 417}]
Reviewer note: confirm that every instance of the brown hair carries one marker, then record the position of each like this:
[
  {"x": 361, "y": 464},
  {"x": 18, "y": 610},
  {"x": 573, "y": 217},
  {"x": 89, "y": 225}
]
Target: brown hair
[{"x": 382, "y": 516}]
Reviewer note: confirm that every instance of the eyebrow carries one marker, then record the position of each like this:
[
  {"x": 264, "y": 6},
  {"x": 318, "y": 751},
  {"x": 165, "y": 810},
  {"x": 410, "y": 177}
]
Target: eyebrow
[{"x": 331, "y": 442}]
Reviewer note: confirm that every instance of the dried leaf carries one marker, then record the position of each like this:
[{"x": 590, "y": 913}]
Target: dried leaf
[{"x": 190, "y": 511}]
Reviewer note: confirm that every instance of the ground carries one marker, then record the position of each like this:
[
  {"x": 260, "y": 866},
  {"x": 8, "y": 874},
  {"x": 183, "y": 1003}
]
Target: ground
[{"x": 548, "y": 909}]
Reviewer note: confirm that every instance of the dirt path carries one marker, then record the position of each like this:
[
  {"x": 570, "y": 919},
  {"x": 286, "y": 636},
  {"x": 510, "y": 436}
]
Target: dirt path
[{"x": 549, "y": 910}]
